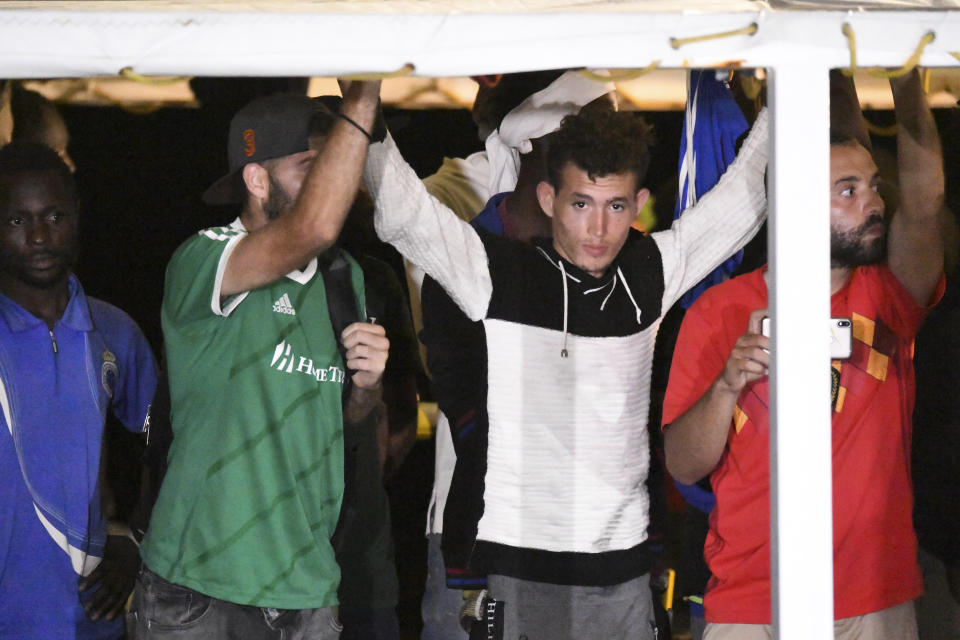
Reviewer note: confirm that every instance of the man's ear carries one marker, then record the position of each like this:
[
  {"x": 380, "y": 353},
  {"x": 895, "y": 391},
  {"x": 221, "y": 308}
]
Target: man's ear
[
  {"x": 545, "y": 196},
  {"x": 642, "y": 196},
  {"x": 257, "y": 180}
]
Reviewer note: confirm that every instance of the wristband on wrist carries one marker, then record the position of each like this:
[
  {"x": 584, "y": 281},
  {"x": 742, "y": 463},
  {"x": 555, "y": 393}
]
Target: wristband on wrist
[{"x": 359, "y": 128}]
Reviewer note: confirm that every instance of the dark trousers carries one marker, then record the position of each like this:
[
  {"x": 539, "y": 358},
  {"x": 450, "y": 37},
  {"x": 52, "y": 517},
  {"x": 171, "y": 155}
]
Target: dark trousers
[
  {"x": 370, "y": 624},
  {"x": 163, "y": 610}
]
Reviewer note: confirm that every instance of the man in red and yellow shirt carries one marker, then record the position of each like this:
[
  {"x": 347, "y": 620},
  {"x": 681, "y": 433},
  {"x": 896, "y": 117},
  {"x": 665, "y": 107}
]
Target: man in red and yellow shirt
[{"x": 716, "y": 409}]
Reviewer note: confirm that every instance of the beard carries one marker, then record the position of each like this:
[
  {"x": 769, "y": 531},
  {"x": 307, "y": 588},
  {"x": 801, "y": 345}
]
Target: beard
[
  {"x": 850, "y": 249},
  {"x": 278, "y": 202}
]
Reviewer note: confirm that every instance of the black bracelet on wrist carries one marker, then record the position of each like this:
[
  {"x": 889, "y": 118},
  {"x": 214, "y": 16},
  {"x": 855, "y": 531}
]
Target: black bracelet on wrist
[{"x": 359, "y": 128}]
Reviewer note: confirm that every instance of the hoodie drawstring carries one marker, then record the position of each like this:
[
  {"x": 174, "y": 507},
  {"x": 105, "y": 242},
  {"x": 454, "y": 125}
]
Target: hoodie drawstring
[
  {"x": 566, "y": 295},
  {"x": 563, "y": 276},
  {"x": 629, "y": 293},
  {"x": 612, "y": 284}
]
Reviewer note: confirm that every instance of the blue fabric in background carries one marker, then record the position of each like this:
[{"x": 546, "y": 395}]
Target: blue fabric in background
[
  {"x": 713, "y": 123},
  {"x": 716, "y": 123},
  {"x": 701, "y": 499}
]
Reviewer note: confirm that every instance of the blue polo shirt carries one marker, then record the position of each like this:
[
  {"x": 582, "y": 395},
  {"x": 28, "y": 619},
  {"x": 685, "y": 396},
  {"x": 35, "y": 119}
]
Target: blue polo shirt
[{"x": 56, "y": 387}]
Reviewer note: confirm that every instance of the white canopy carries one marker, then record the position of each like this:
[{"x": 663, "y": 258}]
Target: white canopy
[{"x": 454, "y": 37}]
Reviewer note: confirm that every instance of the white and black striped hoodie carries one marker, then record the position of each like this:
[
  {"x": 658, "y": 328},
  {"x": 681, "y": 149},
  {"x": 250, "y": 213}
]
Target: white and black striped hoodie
[{"x": 567, "y": 455}]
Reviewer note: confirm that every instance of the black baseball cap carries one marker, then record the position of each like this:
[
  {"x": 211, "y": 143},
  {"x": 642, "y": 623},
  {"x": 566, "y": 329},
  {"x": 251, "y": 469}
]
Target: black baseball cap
[{"x": 268, "y": 127}]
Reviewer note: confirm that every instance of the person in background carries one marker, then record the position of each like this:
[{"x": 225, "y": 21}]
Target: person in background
[
  {"x": 936, "y": 434},
  {"x": 936, "y": 467},
  {"x": 456, "y": 351},
  {"x": 368, "y": 591},
  {"x": 36, "y": 119}
]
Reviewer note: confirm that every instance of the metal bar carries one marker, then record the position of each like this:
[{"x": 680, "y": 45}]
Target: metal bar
[{"x": 800, "y": 417}]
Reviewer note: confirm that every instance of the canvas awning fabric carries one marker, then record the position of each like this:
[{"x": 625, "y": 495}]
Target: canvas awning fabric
[{"x": 457, "y": 37}]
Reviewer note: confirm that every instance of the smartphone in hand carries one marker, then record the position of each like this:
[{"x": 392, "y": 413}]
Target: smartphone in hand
[{"x": 841, "y": 336}]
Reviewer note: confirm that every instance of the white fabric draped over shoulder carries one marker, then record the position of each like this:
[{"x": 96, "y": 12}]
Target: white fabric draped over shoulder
[{"x": 536, "y": 116}]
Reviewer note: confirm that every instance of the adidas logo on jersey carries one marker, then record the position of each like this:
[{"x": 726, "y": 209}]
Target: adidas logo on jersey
[{"x": 283, "y": 306}]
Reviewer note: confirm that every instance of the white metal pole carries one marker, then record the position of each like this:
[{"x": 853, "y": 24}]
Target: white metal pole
[{"x": 800, "y": 417}]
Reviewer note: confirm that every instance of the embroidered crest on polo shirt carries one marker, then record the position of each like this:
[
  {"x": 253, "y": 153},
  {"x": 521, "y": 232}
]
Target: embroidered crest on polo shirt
[
  {"x": 109, "y": 372},
  {"x": 283, "y": 305}
]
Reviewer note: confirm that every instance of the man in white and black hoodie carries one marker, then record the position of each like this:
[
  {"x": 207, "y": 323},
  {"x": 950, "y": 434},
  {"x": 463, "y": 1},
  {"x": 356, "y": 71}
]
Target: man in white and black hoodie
[{"x": 570, "y": 324}]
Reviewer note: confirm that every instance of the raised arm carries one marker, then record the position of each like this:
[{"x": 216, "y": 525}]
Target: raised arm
[
  {"x": 915, "y": 244},
  {"x": 313, "y": 224},
  {"x": 426, "y": 232},
  {"x": 461, "y": 184},
  {"x": 846, "y": 119},
  {"x": 694, "y": 442},
  {"x": 721, "y": 223}
]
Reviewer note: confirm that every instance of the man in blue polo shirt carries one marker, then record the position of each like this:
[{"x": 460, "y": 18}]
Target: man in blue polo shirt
[{"x": 65, "y": 361}]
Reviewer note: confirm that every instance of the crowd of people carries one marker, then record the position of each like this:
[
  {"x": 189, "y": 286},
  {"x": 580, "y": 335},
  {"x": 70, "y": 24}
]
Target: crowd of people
[{"x": 286, "y": 389}]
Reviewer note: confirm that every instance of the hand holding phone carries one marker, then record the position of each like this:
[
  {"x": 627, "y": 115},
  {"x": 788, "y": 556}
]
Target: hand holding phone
[{"x": 749, "y": 359}]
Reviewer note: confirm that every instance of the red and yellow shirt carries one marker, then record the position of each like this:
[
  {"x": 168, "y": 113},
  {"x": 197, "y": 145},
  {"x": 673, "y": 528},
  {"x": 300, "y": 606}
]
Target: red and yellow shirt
[{"x": 874, "y": 542}]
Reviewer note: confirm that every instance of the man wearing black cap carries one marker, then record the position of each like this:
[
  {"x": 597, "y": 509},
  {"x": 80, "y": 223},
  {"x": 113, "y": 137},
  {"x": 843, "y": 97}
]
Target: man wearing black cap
[{"x": 239, "y": 542}]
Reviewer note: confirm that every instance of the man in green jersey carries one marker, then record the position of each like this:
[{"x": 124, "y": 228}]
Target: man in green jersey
[{"x": 266, "y": 364}]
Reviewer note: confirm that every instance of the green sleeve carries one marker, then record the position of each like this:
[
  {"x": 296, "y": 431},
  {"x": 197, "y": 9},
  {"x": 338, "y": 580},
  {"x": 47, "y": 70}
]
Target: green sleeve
[{"x": 191, "y": 298}]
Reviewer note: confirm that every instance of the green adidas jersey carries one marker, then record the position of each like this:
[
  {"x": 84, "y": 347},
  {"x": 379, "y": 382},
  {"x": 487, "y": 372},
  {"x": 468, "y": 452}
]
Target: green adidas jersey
[{"x": 255, "y": 479}]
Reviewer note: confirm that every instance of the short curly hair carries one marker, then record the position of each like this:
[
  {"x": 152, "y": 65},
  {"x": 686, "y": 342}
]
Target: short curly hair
[{"x": 601, "y": 143}]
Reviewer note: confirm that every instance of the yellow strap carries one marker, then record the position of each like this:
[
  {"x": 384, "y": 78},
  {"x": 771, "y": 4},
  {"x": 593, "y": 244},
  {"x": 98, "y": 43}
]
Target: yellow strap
[
  {"x": 877, "y": 72},
  {"x": 157, "y": 81},
  {"x": 676, "y": 43},
  {"x": 955, "y": 55},
  {"x": 911, "y": 62},
  {"x": 852, "y": 45},
  {"x": 405, "y": 70},
  {"x": 888, "y": 131},
  {"x": 668, "y": 594},
  {"x": 130, "y": 74},
  {"x": 620, "y": 75}
]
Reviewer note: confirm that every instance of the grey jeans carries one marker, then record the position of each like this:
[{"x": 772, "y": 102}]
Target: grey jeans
[
  {"x": 162, "y": 610},
  {"x": 541, "y": 611}
]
